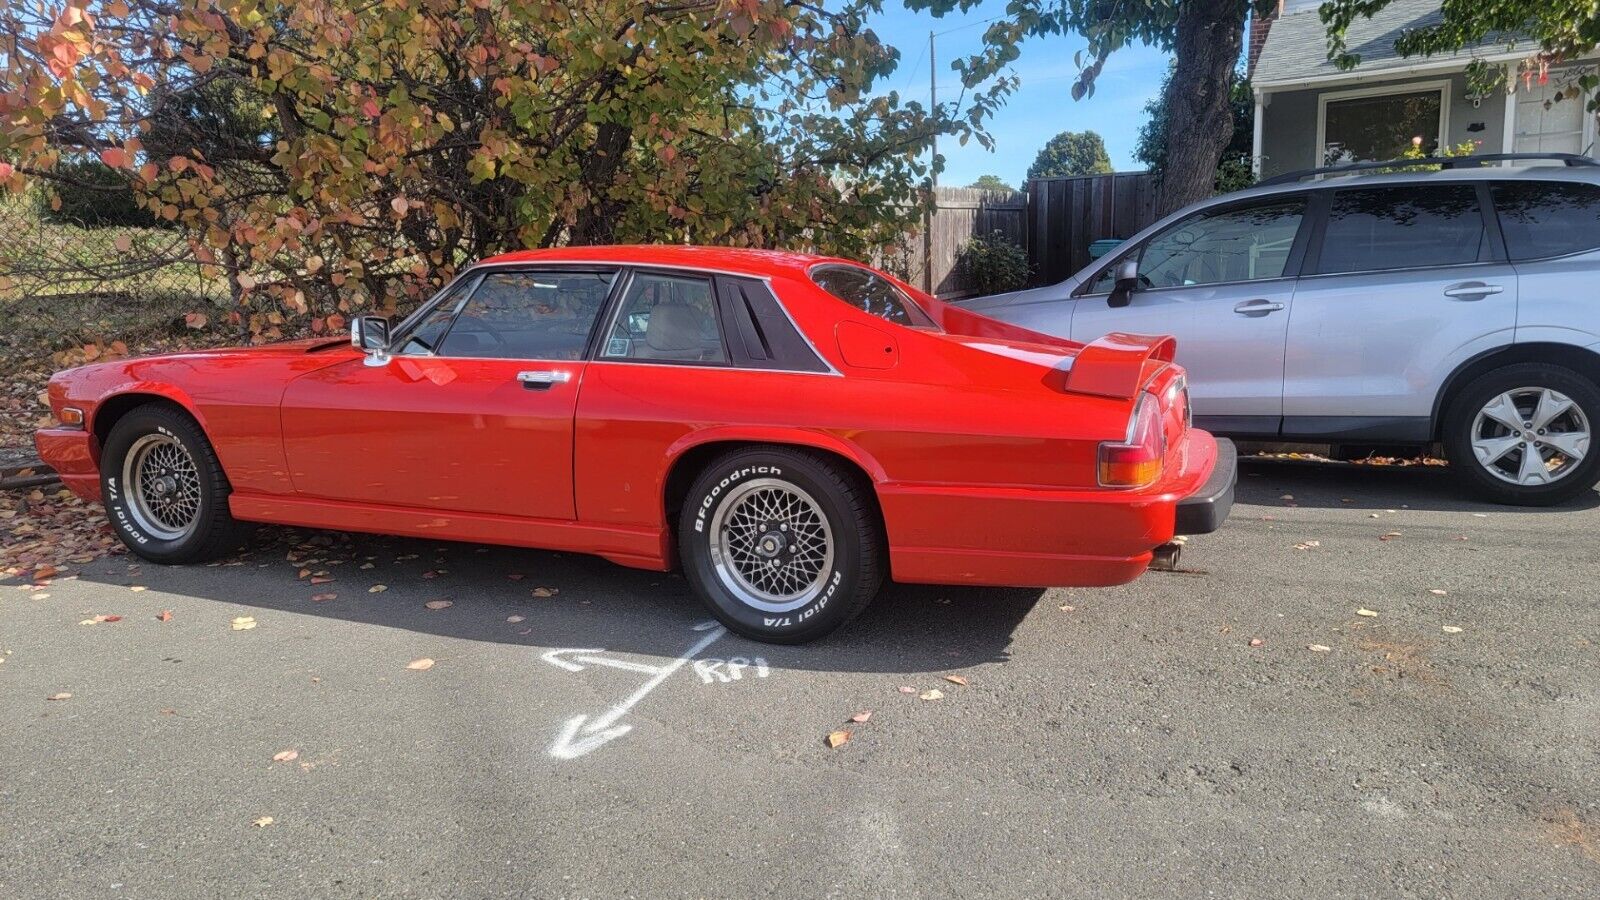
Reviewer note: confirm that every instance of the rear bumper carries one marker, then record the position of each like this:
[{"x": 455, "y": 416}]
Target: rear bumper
[
  {"x": 74, "y": 456},
  {"x": 1204, "y": 511}
]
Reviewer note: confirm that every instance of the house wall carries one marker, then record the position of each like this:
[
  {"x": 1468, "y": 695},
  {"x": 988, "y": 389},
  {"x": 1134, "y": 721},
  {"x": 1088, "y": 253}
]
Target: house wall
[{"x": 1289, "y": 121}]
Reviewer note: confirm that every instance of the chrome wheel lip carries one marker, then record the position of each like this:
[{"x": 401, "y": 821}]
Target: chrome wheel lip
[
  {"x": 732, "y": 563},
  {"x": 162, "y": 485},
  {"x": 1519, "y": 433}
]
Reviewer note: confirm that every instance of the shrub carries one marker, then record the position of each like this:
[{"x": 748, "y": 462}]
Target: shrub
[
  {"x": 994, "y": 264},
  {"x": 93, "y": 195}
]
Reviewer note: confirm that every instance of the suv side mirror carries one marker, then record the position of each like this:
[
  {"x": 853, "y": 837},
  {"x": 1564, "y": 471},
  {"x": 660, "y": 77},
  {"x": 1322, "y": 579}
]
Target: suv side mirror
[
  {"x": 1127, "y": 279},
  {"x": 370, "y": 334}
]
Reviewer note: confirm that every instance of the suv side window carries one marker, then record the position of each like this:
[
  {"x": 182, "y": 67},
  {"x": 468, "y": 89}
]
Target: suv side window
[
  {"x": 1240, "y": 243},
  {"x": 1405, "y": 227},
  {"x": 1542, "y": 219}
]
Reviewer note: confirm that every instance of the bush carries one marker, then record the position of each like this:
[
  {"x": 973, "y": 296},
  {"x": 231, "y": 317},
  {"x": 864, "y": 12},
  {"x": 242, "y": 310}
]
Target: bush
[
  {"x": 93, "y": 195},
  {"x": 994, "y": 264}
]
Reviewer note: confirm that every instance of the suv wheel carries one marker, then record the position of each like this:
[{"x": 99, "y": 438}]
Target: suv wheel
[
  {"x": 1521, "y": 434},
  {"x": 780, "y": 544}
]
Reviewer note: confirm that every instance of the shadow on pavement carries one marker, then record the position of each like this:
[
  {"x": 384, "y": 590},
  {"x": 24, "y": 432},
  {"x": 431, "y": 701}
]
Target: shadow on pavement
[{"x": 1354, "y": 486}]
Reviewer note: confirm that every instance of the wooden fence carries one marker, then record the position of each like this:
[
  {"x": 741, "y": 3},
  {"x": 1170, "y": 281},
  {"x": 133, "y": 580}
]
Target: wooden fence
[{"x": 1055, "y": 220}]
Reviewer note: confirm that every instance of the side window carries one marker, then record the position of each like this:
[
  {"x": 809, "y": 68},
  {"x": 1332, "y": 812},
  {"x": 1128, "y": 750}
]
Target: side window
[
  {"x": 870, "y": 292},
  {"x": 425, "y": 337},
  {"x": 667, "y": 317},
  {"x": 1248, "y": 243},
  {"x": 1547, "y": 218},
  {"x": 1372, "y": 229},
  {"x": 529, "y": 315}
]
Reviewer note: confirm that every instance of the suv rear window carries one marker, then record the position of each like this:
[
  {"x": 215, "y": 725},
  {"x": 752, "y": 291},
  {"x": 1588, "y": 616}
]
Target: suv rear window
[
  {"x": 1371, "y": 229},
  {"x": 1547, "y": 218},
  {"x": 870, "y": 292}
]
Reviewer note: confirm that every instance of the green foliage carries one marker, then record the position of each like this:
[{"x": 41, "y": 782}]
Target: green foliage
[
  {"x": 991, "y": 183},
  {"x": 1234, "y": 169},
  {"x": 994, "y": 264},
  {"x": 92, "y": 194},
  {"x": 1071, "y": 153}
]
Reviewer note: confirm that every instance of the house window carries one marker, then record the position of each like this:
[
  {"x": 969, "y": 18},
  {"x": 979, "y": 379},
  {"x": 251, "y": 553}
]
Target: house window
[{"x": 1368, "y": 126}]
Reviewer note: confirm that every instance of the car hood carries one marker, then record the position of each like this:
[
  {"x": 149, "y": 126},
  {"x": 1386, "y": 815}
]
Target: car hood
[{"x": 281, "y": 348}]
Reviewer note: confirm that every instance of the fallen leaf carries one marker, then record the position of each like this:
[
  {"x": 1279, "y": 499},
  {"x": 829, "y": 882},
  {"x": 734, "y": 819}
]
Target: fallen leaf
[
  {"x": 61, "y": 696},
  {"x": 285, "y": 755},
  {"x": 1307, "y": 545},
  {"x": 862, "y": 716},
  {"x": 1436, "y": 592},
  {"x": 323, "y": 598},
  {"x": 1256, "y": 642},
  {"x": 368, "y": 566},
  {"x": 931, "y": 694},
  {"x": 1066, "y": 607},
  {"x": 138, "y": 588},
  {"x": 515, "y": 619},
  {"x": 244, "y": 623},
  {"x": 377, "y": 589},
  {"x": 1287, "y": 497},
  {"x": 956, "y": 679},
  {"x": 1318, "y": 648},
  {"x": 438, "y": 604},
  {"x": 907, "y": 689},
  {"x": 1389, "y": 537},
  {"x": 1363, "y": 611},
  {"x": 44, "y": 572},
  {"x": 109, "y": 618},
  {"x": 320, "y": 579},
  {"x": 516, "y": 576},
  {"x": 1450, "y": 629},
  {"x": 838, "y": 739},
  {"x": 545, "y": 592},
  {"x": 165, "y": 615},
  {"x": 420, "y": 665},
  {"x": 262, "y": 822}
]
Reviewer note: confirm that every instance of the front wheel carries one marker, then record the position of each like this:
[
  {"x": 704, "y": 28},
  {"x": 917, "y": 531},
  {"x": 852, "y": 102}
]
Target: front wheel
[
  {"x": 1520, "y": 435},
  {"x": 782, "y": 545},
  {"x": 164, "y": 490}
]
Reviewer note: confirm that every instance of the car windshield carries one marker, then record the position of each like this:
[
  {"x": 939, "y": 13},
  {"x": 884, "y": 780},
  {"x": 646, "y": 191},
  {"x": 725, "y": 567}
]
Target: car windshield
[{"x": 872, "y": 293}]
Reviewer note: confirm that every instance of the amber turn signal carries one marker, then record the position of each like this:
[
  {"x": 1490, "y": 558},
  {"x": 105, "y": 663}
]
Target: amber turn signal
[
  {"x": 70, "y": 415},
  {"x": 1135, "y": 462}
]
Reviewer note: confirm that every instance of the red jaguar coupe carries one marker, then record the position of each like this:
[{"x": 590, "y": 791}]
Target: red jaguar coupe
[{"x": 790, "y": 429}]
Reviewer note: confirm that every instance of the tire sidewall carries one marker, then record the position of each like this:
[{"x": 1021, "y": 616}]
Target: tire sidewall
[
  {"x": 1458, "y": 439},
  {"x": 832, "y": 607},
  {"x": 131, "y": 427}
]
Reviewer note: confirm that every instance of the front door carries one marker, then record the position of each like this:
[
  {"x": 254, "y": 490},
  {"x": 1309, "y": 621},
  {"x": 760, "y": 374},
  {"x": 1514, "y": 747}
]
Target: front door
[
  {"x": 1221, "y": 282},
  {"x": 472, "y": 413}
]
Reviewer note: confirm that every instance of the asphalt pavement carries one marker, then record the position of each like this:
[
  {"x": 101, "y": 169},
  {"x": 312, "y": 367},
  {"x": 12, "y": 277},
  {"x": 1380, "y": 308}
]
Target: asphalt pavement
[{"x": 568, "y": 728}]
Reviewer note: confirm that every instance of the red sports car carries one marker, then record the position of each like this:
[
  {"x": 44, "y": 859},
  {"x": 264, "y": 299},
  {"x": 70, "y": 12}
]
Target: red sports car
[{"x": 790, "y": 429}]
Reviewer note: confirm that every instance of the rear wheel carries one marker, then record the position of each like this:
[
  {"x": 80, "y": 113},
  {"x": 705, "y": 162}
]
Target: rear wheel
[
  {"x": 780, "y": 544},
  {"x": 164, "y": 490},
  {"x": 1521, "y": 435}
]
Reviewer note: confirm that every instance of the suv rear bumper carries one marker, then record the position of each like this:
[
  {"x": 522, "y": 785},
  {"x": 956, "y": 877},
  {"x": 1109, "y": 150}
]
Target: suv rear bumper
[{"x": 1204, "y": 511}]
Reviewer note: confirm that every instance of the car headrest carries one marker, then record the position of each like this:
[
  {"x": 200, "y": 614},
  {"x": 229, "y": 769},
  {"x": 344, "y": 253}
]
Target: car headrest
[{"x": 675, "y": 326}]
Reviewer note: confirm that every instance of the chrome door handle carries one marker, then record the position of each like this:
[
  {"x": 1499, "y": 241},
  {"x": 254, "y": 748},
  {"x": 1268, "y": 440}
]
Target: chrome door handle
[
  {"x": 540, "y": 380},
  {"x": 1471, "y": 290},
  {"x": 1257, "y": 307}
]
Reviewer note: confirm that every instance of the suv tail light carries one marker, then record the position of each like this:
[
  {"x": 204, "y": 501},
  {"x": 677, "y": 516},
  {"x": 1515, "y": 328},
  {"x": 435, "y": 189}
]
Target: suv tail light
[{"x": 1135, "y": 462}]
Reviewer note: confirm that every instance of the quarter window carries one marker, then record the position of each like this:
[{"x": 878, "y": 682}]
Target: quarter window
[
  {"x": 546, "y": 314},
  {"x": 1372, "y": 229},
  {"x": 1248, "y": 243},
  {"x": 1547, "y": 218},
  {"x": 667, "y": 317},
  {"x": 871, "y": 293}
]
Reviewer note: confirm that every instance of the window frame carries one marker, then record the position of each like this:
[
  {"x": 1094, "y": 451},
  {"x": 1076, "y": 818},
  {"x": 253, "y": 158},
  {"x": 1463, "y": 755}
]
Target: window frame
[
  {"x": 1493, "y": 252},
  {"x": 1506, "y": 245},
  {"x": 1442, "y": 87},
  {"x": 1291, "y": 265},
  {"x": 618, "y": 298}
]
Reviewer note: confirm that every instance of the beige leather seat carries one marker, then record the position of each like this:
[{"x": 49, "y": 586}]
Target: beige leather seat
[{"x": 678, "y": 331}]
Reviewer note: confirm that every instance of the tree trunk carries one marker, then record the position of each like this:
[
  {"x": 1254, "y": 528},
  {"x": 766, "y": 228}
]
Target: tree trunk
[{"x": 1210, "y": 37}]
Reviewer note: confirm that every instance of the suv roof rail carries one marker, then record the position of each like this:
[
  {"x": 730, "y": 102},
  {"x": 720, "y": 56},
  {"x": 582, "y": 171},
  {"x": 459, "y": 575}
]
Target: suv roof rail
[{"x": 1443, "y": 162}]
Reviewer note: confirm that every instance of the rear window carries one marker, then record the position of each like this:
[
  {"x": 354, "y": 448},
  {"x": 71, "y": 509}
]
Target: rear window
[
  {"x": 1372, "y": 229},
  {"x": 1547, "y": 218},
  {"x": 871, "y": 293}
]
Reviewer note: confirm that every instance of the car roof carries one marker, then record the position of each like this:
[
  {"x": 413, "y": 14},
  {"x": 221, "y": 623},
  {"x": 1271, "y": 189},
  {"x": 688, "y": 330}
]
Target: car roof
[
  {"x": 737, "y": 260},
  {"x": 1588, "y": 174}
]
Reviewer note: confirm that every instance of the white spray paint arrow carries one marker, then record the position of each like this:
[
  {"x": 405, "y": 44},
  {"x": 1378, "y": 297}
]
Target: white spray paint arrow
[{"x": 581, "y": 734}]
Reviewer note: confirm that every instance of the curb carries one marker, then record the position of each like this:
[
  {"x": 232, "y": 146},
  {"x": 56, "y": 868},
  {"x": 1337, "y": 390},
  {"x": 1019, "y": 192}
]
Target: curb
[{"x": 30, "y": 474}]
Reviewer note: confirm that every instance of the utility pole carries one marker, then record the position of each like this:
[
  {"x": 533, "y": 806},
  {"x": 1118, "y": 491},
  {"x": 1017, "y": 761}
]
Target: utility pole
[{"x": 933, "y": 173}]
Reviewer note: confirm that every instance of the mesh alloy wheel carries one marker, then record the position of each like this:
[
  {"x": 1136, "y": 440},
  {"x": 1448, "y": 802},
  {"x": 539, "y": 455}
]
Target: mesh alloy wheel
[
  {"x": 163, "y": 486},
  {"x": 771, "y": 545}
]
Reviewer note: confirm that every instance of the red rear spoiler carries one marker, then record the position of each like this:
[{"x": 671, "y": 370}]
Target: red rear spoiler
[{"x": 1113, "y": 366}]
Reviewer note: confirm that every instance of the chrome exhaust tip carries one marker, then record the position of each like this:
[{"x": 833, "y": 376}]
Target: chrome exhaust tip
[{"x": 1165, "y": 557}]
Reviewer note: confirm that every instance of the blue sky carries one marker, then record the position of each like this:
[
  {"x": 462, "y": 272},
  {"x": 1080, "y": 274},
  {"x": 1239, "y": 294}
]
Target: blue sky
[{"x": 1040, "y": 108}]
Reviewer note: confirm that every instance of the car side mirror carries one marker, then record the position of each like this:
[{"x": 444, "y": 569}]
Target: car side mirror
[
  {"x": 370, "y": 334},
  {"x": 1127, "y": 280}
]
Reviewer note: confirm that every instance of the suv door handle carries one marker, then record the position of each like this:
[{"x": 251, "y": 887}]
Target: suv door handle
[
  {"x": 1471, "y": 290},
  {"x": 542, "y": 380},
  {"x": 1257, "y": 307}
]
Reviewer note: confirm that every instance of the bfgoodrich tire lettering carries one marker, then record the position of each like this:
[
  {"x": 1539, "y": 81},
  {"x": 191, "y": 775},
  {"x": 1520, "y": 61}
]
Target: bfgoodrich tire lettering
[
  {"x": 164, "y": 490},
  {"x": 1522, "y": 435},
  {"x": 781, "y": 544}
]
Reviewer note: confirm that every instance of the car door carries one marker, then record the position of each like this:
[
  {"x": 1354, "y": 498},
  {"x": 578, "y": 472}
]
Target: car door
[
  {"x": 1402, "y": 283},
  {"x": 1222, "y": 282},
  {"x": 472, "y": 412}
]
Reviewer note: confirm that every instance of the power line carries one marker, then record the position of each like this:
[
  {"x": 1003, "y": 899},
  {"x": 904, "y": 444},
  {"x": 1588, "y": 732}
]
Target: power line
[{"x": 968, "y": 25}]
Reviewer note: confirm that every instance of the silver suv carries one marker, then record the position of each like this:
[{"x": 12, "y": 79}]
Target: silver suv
[{"x": 1364, "y": 307}]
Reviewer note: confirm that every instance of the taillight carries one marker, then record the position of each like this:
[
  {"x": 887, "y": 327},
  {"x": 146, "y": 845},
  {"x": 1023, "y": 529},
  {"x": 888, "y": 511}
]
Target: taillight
[{"x": 1135, "y": 462}]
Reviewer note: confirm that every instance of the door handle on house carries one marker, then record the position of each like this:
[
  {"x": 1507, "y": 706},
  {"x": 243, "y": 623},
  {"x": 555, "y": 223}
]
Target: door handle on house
[
  {"x": 1257, "y": 308},
  {"x": 1471, "y": 290},
  {"x": 542, "y": 380}
]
